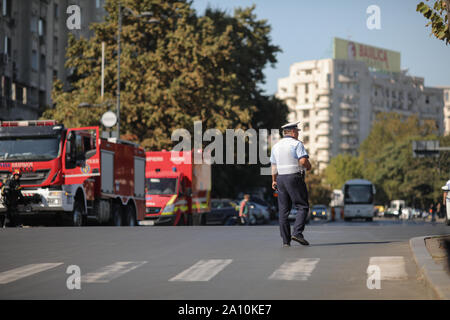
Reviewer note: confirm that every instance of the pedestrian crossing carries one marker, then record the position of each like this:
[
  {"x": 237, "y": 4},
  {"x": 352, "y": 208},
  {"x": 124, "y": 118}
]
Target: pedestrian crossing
[{"x": 391, "y": 268}]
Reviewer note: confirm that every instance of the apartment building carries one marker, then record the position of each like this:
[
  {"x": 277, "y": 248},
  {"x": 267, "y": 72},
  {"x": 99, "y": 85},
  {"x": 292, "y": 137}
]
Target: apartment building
[
  {"x": 446, "y": 109},
  {"x": 33, "y": 41},
  {"x": 336, "y": 101}
]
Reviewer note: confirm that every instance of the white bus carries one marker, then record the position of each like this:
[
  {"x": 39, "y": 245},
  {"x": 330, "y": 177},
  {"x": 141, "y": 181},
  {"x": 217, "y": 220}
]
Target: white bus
[{"x": 358, "y": 199}]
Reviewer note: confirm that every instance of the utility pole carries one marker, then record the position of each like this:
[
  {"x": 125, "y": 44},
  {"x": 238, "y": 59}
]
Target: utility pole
[{"x": 118, "y": 71}]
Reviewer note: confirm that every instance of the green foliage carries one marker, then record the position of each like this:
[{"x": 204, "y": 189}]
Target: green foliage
[
  {"x": 319, "y": 192},
  {"x": 185, "y": 68},
  {"x": 439, "y": 18},
  {"x": 385, "y": 158},
  {"x": 342, "y": 168}
]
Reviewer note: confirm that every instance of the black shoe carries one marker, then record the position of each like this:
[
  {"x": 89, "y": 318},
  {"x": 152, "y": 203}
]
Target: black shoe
[{"x": 302, "y": 241}]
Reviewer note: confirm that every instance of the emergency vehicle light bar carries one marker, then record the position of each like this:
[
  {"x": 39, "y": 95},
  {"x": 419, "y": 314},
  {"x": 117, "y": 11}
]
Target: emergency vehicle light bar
[{"x": 28, "y": 123}]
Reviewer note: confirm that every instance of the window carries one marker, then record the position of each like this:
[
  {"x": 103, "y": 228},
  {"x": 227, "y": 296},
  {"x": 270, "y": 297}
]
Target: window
[
  {"x": 42, "y": 63},
  {"x": 447, "y": 98},
  {"x": 306, "y": 88},
  {"x": 41, "y": 27},
  {"x": 98, "y": 4},
  {"x": 427, "y": 99},
  {"x": 305, "y": 113},
  {"x": 6, "y": 8},
  {"x": 7, "y": 46},
  {"x": 34, "y": 24},
  {"x": 56, "y": 11},
  {"x": 305, "y": 139},
  {"x": 55, "y": 45},
  {"x": 34, "y": 60}
]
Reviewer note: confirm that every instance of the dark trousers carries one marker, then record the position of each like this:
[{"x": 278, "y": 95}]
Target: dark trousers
[{"x": 292, "y": 194}]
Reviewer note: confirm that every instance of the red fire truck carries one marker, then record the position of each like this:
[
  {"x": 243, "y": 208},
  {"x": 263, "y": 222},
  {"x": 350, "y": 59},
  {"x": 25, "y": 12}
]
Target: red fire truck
[
  {"x": 177, "y": 190},
  {"x": 73, "y": 174}
]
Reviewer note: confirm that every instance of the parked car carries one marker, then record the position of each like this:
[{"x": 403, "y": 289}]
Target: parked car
[
  {"x": 319, "y": 211},
  {"x": 222, "y": 212},
  {"x": 260, "y": 212},
  {"x": 270, "y": 208}
]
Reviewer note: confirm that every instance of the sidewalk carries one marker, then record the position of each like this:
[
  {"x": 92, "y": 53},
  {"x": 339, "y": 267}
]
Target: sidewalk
[{"x": 431, "y": 254}]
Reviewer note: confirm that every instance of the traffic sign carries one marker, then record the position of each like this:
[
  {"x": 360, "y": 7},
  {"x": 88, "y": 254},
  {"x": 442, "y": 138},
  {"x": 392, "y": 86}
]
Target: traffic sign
[
  {"x": 109, "y": 119},
  {"x": 429, "y": 148}
]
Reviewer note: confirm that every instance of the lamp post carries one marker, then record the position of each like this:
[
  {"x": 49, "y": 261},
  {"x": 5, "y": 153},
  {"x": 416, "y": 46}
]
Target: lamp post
[{"x": 152, "y": 20}]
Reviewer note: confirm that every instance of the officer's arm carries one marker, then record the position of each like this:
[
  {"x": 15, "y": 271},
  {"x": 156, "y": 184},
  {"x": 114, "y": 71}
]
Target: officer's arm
[
  {"x": 305, "y": 163},
  {"x": 274, "y": 175}
]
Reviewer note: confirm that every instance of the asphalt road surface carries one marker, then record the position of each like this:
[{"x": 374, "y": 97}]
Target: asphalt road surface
[{"x": 213, "y": 262}]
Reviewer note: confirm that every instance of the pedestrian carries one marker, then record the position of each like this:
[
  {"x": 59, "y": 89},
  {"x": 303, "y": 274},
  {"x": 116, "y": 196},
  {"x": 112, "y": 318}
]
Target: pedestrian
[
  {"x": 446, "y": 201},
  {"x": 11, "y": 197},
  {"x": 289, "y": 161},
  {"x": 244, "y": 210},
  {"x": 438, "y": 210},
  {"x": 432, "y": 211}
]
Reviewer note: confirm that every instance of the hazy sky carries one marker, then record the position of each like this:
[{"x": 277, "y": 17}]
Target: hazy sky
[{"x": 304, "y": 30}]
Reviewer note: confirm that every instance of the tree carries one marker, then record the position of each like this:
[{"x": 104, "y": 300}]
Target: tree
[
  {"x": 319, "y": 192},
  {"x": 439, "y": 18},
  {"x": 390, "y": 127},
  {"x": 183, "y": 69},
  {"x": 342, "y": 168}
]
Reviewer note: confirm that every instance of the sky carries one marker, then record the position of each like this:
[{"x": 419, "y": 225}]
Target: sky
[{"x": 304, "y": 30}]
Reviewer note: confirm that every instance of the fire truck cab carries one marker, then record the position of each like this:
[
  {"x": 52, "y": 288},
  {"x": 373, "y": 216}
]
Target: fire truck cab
[
  {"x": 177, "y": 190},
  {"x": 73, "y": 174}
]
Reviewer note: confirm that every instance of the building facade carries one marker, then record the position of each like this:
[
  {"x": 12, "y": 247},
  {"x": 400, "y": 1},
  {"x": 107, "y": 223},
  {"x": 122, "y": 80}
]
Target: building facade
[
  {"x": 336, "y": 101},
  {"x": 33, "y": 41},
  {"x": 446, "y": 109}
]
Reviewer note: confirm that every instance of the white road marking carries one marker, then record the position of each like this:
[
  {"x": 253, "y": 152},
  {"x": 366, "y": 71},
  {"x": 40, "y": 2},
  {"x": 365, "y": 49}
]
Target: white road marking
[
  {"x": 204, "y": 270},
  {"x": 298, "y": 269},
  {"x": 25, "y": 271},
  {"x": 113, "y": 271},
  {"x": 391, "y": 268}
]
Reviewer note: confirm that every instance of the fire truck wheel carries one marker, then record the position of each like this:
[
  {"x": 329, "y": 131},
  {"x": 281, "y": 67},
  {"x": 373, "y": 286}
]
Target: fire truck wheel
[
  {"x": 75, "y": 218},
  {"x": 130, "y": 216},
  {"x": 116, "y": 219}
]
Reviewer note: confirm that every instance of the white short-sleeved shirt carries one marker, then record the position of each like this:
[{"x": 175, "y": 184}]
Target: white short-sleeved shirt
[
  {"x": 285, "y": 155},
  {"x": 448, "y": 186}
]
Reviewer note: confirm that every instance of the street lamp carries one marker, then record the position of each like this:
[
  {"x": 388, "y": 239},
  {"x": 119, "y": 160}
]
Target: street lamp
[{"x": 152, "y": 20}]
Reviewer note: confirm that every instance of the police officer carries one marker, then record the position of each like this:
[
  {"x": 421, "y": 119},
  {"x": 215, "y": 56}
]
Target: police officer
[
  {"x": 12, "y": 196},
  {"x": 289, "y": 161}
]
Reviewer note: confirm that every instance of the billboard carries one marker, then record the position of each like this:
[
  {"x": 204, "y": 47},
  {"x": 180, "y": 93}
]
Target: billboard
[{"x": 376, "y": 58}]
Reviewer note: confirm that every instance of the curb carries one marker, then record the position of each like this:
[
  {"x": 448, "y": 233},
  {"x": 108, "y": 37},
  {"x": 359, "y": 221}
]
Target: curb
[{"x": 434, "y": 275}]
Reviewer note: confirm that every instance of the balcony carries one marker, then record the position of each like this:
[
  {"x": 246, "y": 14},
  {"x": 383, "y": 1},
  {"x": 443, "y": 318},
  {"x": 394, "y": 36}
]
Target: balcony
[
  {"x": 345, "y": 146},
  {"x": 322, "y": 145},
  {"x": 322, "y": 104},
  {"x": 344, "y": 78},
  {"x": 323, "y": 92},
  {"x": 345, "y": 119},
  {"x": 346, "y": 106}
]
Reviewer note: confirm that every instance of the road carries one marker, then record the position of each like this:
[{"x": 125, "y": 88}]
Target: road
[{"x": 213, "y": 262}]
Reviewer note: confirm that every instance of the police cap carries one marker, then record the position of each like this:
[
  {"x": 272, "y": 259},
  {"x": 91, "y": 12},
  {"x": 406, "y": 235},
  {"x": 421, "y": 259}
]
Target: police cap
[{"x": 290, "y": 126}]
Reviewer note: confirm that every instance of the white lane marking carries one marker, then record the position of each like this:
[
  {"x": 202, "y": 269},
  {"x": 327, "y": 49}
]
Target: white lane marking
[
  {"x": 391, "y": 268},
  {"x": 298, "y": 269},
  {"x": 204, "y": 270},
  {"x": 113, "y": 271},
  {"x": 25, "y": 271}
]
